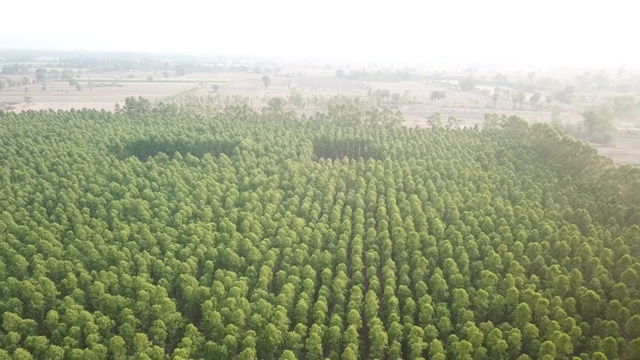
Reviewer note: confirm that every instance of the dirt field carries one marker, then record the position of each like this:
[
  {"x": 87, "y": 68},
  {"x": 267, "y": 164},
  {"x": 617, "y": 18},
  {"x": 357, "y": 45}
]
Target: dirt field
[
  {"x": 62, "y": 96},
  {"x": 110, "y": 88},
  {"x": 625, "y": 150}
]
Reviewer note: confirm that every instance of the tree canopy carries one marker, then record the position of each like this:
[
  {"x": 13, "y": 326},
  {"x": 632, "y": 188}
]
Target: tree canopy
[
  {"x": 200, "y": 232},
  {"x": 266, "y": 81}
]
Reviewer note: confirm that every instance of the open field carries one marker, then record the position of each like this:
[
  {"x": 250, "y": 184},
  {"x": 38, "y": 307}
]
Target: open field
[
  {"x": 625, "y": 150},
  {"x": 62, "y": 96}
]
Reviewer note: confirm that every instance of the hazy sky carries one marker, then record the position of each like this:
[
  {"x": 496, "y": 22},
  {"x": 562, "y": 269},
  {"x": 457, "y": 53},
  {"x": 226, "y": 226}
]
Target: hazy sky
[{"x": 560, "y": 32}]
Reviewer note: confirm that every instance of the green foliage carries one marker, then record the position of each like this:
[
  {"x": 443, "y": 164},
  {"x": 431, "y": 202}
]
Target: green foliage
[
  {"x": 170, "y": 147},
  {"x": 296, "y": 98},
  {"x": 518, "y": 98},
  {"x": 332, "y": 147},
  {"x": 266, "y": 81},
  {"x": 195, "y": 232},
  {"x": 533, "y": 100},
  {"x": 434, "y": 96},
  {"x": 41, "y": 74},
  {"x": 599, "y": 123},
  {"x": 566, "y": 95},
  {"x": 276, "y": 102},
  {"x": 15, "y": 69},
  {"x": 468, "y": 84},
  {"x": 625, "y": 107},
  {"x": 139, "y": 106},
  {"x": 435, "y": 121},
  {"x": 452, "y": 122}
]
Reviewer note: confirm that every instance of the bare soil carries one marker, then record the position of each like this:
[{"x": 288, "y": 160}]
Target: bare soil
[
  {"x": 62, "y": 96},
  {"x": 625, "y": 150}
]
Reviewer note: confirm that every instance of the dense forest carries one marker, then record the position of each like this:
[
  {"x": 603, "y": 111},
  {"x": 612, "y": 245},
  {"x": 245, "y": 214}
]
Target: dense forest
[{"x": 162, "y": 232}]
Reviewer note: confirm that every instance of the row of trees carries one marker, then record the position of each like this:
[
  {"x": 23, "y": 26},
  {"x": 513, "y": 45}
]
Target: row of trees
[
  {"x": 623, "y": 81},
  {"x": 192, "y": 232},
  {"x": 9, "y": 82}
]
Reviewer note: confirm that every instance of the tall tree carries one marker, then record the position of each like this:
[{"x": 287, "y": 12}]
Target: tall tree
[
  {"x": 468, "y": 84},
  {"x": 599, "y": 122},
  {"x": 434, "y": 96},
  {"x": 266, "y": 81},
  {"x": 533, "y": 100}
]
